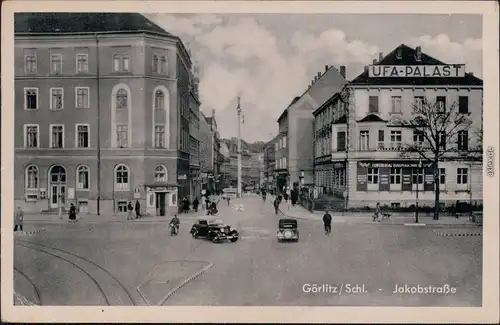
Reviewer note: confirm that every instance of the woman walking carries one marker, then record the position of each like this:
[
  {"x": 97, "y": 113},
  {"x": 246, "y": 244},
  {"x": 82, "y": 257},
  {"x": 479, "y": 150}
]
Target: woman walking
[{"x": 72, "y": 213}]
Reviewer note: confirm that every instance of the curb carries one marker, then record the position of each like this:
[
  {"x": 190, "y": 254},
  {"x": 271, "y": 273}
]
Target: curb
[
  {"x": 29, "y": 233},
  {"x": 191, "y": 278},
  {"x": 459, "y": 234}
]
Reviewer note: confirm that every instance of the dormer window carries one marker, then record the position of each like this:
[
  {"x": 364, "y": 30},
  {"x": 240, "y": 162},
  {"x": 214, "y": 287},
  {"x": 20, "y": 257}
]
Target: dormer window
[
  {"x": 399, "y": 53},
  {"x": 418, "y": 54}
]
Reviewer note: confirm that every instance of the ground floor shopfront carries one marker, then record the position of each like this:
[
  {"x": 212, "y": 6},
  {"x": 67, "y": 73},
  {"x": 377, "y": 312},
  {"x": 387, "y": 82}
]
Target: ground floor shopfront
[
  {"x": 45, "y": 184},
  {"x": 396, "y": 183},
  {"x": 329, "y": 177}
]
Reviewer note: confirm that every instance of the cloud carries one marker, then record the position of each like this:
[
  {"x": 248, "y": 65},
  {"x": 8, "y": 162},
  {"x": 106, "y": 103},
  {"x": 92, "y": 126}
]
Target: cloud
[
  {"x": 468, "y": 52},
  {"x": 334, "y": 44},
  {"x": 193, "y": 25}
]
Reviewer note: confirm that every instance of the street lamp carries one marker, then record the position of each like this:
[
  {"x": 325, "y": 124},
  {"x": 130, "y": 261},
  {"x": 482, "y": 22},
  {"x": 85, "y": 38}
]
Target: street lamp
[
  {"x": 418, "y": 183},
  {"x": 238, "y": 110},
  {"x": 345, "y": 95}
]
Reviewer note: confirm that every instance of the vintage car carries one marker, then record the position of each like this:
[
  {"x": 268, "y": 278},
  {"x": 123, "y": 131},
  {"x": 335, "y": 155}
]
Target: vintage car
[
  {"x": 214, "y": 230},
  {"x": 288, "y": 230}
]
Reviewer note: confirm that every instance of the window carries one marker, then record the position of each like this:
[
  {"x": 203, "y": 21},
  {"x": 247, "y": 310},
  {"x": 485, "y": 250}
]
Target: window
[
  {"x": 372, "y": 176},
  {"x": 441, "y": 136},
  {"x": 116, "y": 63},
  {"x": 30, "y": 64},
  {"x": 418, "y": 138},
  {"x": 463, "y": 104},
  {"x": 122, "y": 206},
  {"x": 82, "y": 136},
  {"x": 163, "y": 65},
  {"x": 396, "y": 104},
  {"x": 30, "y": 98},
  {"x": 284, "y": 142},
  {"x": 57, "y": 136},
  {"x": 417, "y": 175},
  {"x": 82, "y": 63},
  {"x": 419, "y": 103},
  {"x": 364, "y": 140},
  {"x": 56, "y": 98},
  {"x": 31, "y": 136},
  {"x": 122, "y": 135},
  {"x": 126, "y": 62},
  {"x": 159, "y": 100},
  {"x": 161, "y": 174},
  {"x": 82, "y": 97},
  {"x": 159, "y": 136},
  {"x": 56, "y": 64},
  {"x": 395, "y": 176},
  {"x": 463, "y": 140},
  {"x": 341, "y": 143},
  {"x": 462, "y": 174},
  {"x": 381, "y": 139},
  {"x": 442, "y": 176},
  {"x": 396, "y": 139},
  {"x": 395, "y": 205},
  {"x": 277, "y": 146},
  {"x": 155, "y": 63},
  {"x": 373, "y": 104},
  {"x": 31, "y": 181},
  {"x": 121, "y": 99},
  {"x": 82, "y": 178},
  {"x": 121, "y": 177},
  {"x": 440, "y": 104}
]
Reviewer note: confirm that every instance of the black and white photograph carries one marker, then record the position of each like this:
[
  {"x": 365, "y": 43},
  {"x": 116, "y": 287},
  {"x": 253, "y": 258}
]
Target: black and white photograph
[{"x": 211, "y": 155}]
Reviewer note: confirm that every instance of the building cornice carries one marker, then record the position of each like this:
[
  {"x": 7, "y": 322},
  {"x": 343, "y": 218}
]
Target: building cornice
[{"x": 414, "y": 88}]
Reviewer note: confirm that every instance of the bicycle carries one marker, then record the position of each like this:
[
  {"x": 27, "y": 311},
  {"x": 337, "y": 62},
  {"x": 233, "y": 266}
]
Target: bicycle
[{"x": 328, "y": 229}]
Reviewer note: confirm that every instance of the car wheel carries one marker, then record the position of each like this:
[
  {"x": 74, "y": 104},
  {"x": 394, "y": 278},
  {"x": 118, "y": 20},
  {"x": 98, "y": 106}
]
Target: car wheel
[
  {"x": 215, "y": 239},
  {"x": 195, "y": 234},
  {"x": 232, "y": 240}
]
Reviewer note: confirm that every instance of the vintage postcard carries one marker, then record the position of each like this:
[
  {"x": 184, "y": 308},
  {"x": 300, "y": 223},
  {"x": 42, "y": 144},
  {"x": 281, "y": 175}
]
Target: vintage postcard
[{"x": 250, "y": 161}]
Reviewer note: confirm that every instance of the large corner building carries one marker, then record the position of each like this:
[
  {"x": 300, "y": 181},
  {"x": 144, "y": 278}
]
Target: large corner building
[{"x": 103, "y": 107}]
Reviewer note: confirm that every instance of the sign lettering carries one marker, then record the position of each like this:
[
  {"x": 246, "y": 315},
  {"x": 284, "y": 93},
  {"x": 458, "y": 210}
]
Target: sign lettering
[
  {"x": 417, "y": 71},
  {"x": 383, "y": 164}
]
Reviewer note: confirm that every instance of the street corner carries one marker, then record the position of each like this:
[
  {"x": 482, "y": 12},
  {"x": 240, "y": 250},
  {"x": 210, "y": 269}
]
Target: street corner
[
  {"x": 168, "y": 277},
  {"x": 459, "y": 232}
]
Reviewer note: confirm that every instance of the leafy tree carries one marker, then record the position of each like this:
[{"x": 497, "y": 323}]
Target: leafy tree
[{"x": 436, "y": 128}]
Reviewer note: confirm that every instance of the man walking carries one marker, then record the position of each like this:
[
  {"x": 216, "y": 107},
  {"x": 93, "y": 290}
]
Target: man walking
[
  {"x": 130, "y": 208},
  {"x": 327, "y": 221},
  {"x": 137, "y": 209},
  {"x": 18, "y": 219}
]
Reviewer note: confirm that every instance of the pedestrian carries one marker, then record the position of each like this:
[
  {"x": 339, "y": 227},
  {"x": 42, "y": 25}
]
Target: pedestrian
[
  {"x": 196, "y": 203},
  {"x": 130, "y": 208},
  {"x": 376, "y": 216},
  {"x": 327, "y": 221},
  {"x": 137, "y": 209},
  {"x": 276, "y": 204},
  {"x": 18, "y": 219},
  {"x": 72, "y": 213}
]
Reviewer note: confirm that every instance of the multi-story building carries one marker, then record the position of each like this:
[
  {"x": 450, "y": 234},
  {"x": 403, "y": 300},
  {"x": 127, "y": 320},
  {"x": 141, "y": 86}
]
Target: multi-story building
[
  {"x": 281, "y": 175},
  {"x": 298, "y": 116},
  {"x": 269, "y": 164},
  {"x": 194, "y": 178},
  {"x": 101, "y": 105},
  {"x": 329, "y": 178},
  {"x": 381, "y": 103},
  {"x": 206, "y": 151}
]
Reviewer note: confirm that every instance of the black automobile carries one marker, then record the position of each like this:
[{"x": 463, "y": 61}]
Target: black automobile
[
  {"x": 288, "y": 230},
  {"x": 214, "y": 230}
]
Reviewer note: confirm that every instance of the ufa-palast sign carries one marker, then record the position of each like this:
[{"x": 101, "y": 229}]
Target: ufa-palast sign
[{"x": 417, "y": 71}]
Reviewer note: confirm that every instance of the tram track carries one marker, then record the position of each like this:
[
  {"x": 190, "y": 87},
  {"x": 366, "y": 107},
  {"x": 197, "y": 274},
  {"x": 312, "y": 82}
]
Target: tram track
[
  {"x": 93, "y": 271},
  {"x": 38, "y": 297}
]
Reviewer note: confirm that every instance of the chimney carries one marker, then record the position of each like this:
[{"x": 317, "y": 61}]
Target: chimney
[
  {"x": 342, "y": 70},
  {"x": 374, "y": 61},
  {"x": 213, "y": 112},
  {"x": 326, "y": 67},
  {"x": 366, "y": 68},
  {"x": 319, "y": 75},
  {"x": 380, "y": 56},
  {"x": 399, "y": 53},
  {"x": 315, "y": 78},
  {"x": 418, "y": 53}
]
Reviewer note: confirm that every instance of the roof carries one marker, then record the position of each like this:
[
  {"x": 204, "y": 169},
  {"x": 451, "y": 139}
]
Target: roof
[
  {"x": 326, "y": 104},
  {"x": 371, "y": 118},
  {"x": 283, "y": 115},
  {"x": 83, "y": 23},
  {"x": 408, "y": 58}
]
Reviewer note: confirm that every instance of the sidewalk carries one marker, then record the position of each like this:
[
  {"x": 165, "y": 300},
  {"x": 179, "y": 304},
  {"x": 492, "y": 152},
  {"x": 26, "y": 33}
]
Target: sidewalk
[
  {"x": 94, "y": 218},
  {"x": 299, "y": 212}
]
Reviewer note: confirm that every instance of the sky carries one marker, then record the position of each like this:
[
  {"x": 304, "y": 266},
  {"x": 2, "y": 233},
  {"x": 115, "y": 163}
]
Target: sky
[{"x": 268, "y": 59}]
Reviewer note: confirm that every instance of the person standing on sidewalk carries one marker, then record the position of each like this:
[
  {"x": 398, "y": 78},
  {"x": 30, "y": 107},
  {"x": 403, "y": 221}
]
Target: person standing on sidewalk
[
  {"x": 18, "y": 219},
  {"x": 72, "y": 213},
  {"x": 376, "y": 216},
  {"x": 130, "y": 208},
  {"x": 137, "y": 209}
]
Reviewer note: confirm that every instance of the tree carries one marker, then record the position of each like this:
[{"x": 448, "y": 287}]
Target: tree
[{"x": 435, "y": 128}]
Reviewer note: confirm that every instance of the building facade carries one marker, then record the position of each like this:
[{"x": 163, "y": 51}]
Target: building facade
[
  {"x": 300, "y": 133},
  {"x": 98, "y": 101},
  {"x": 281, "y": 174},
  {"x": 381, "y": 168},
  {"x": 269, "y": 164},
  {"x": 329, "y": 173}
]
